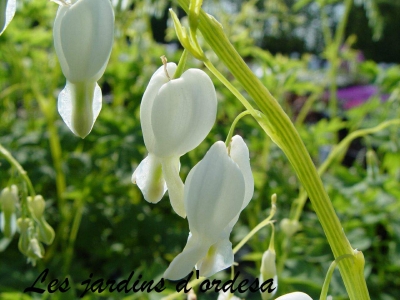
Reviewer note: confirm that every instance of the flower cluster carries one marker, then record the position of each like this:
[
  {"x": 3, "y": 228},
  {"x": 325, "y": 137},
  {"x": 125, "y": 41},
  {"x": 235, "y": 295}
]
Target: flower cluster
[
  {"x": 32, "y": 226},
  {"x": 176, "y": 115}
]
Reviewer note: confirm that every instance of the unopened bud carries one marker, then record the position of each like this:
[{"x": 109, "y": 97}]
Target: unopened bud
[
  {"x": 35, "y": 249},
  {"x": 45, "y": 232},
  {"x": 294, "y": 296},
  {"x": 268, "y": 271},
  {"x": 25, "y": 227},
  {"x": 290, "y": 227},
  {"x": 8, "y": 201},
  {"x": 36, "y": 206}
]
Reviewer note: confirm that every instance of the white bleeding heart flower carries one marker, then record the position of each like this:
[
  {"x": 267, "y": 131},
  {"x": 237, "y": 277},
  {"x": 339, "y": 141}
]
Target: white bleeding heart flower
[
  {"x": 176, "y": 115},
  {"x": 268, "y": 271},
  {"x": 217, "y": 189},
  {"x": 294, "y": 296},
  {"x": 83, "y": 38},
  {"x": 7, "y": 11}
]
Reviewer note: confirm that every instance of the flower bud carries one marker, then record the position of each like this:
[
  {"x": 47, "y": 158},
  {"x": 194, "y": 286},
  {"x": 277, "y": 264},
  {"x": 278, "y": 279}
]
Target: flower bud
[
  {"x": 36, "y": 206},
  {"x": 8, "y": 202},
  {"x": 46, "y": 233},
  {"x": 290, "y": 227},
  {"x": 83, "y": 38},
  {"x": 227, "y": 296},
  {"x": 268, "y": 271},
  {"x": 294, "y": 296},
  {"x": 35, "y": 249},
  {"x": 25, "y": 227},
  {"x": 7, "y": 11}
]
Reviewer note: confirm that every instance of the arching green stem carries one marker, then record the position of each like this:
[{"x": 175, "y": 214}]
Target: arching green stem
[{"x": 282, "y": 131}]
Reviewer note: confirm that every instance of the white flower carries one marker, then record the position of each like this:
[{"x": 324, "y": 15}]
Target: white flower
[
  {"x": 8, "y": 203},
  {"x": 83, "y": 38},
  {"x": 216, "y": 191},
  {"x": 7, "y": 11},
  {"x": 268, "y": 271},
  {"x": 176, "y": 115},
  {"x": 226, "y": 296},
  {"x": 294, "y": 296}
]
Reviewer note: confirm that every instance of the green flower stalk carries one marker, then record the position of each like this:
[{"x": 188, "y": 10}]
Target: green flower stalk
[{"x": 281, "y": 130}]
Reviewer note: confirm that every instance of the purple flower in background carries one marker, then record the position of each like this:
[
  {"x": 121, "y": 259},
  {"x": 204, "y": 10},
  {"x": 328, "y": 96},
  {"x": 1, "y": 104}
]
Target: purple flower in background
[{"x": 357, "y": 95}]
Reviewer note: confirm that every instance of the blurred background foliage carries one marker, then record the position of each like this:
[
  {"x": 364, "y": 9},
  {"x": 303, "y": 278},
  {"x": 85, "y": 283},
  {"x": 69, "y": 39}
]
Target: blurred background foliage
[{"x": 105, "y": 227}]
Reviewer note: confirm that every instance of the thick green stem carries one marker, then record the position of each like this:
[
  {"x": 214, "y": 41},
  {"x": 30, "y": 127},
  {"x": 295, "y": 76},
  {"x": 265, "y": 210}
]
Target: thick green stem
[{"x": 281, "y": 130}]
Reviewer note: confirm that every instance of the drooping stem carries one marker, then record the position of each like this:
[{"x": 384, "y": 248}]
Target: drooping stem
[
  {"x": 232, "y": 129},
  {"x": 282, "y": 131},
  {"x": 13, "y": 162}
]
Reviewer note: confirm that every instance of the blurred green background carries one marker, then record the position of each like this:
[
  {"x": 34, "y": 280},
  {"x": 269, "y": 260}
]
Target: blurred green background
[{"x": 102, "y": 223}]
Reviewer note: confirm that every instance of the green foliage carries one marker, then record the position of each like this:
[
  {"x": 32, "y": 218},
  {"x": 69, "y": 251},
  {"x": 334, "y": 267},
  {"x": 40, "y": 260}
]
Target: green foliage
[{"x": 102, "y": 223}]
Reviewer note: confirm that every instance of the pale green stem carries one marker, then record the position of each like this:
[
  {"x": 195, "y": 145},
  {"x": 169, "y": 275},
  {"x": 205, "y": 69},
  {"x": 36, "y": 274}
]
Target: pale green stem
[
  {"x": 282, "y": 131},
  {"x": 14, "y": 163},
  {"x": 181, "y": 64},
  {"x": 79, "y": 205},
  {"x": 333, "y": 57},
  {"x": 49, "y": 112},
  {"x": 307, "y": 106},
  {"x": 272, "y": 240},
  {"x": 325, "y": 27},
  {"x": 230, "y": 87},
  {"x": 259, "y": 226},
  {"x": 328, "y": 277},
  {"x": 232, "y": 129}
]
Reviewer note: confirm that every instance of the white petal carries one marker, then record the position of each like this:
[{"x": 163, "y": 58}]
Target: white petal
[
  {"x": 170, "y": 169},
  {"x": 148, "y": 177},
  {"x": 79, "y": 106},
  {"x": 240, "y": 155},
  {"x": 7, "y": 11},
  {"x": 184, "y": 263},
  {"x": 214, "y": 192},
  {"x": 268, "y": 271},
  {"x": 226, "y": 296},
  {"x": 158, "y": 79},
  {"x": 183, "y": 113},
  {"x": 219, "y": 257},
  {"x": 294, "y": 296},
  {"x": 83, "y": 38}
]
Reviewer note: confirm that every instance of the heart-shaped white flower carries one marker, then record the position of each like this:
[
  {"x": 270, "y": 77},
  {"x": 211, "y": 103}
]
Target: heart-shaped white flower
[
  {"x": 216, "y": 191},
  {"x": 83, "y": 38},
  {"x": 176, "y": 115}
]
